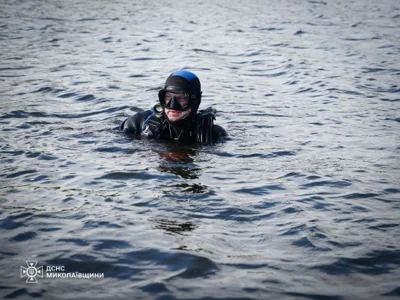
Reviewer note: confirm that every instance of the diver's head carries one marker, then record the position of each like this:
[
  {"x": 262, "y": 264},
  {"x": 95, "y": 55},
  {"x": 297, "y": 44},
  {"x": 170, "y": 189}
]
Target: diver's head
[{"x": 181, "y": 96}]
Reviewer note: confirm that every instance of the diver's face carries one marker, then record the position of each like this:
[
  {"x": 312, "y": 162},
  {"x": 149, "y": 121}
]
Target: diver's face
[
  {"x": 176, "y": 115},
  {"x": 182, "y": 98},
  {"x": 180, "y": 109}
]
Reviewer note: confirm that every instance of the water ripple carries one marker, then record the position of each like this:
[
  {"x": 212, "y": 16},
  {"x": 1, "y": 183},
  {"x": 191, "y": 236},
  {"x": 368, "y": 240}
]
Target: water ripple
[{"x": 377, "y": 262}]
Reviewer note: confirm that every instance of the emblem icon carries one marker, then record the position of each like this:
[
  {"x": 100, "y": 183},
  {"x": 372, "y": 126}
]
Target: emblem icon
[{"x": 31, "y": 271}]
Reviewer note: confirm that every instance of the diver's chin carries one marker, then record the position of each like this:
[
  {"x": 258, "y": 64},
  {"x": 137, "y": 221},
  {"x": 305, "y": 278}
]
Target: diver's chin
[{"x": 176, "y": 115}]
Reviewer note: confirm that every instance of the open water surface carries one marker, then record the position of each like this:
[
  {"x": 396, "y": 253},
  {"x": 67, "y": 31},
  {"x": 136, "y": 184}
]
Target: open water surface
[{"x": 302, "y": 201}]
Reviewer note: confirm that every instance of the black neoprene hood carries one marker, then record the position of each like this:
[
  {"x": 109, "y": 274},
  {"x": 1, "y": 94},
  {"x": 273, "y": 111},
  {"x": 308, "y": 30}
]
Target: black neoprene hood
[{"x": 183, "y": 81}]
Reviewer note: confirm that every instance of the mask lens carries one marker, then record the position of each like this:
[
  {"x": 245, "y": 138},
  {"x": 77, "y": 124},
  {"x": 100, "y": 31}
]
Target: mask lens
[{"x": 182, "y": 98}]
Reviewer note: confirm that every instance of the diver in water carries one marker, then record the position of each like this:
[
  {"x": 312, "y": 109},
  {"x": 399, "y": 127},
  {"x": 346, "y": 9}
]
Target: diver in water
[{"x": 176, "y": 117}]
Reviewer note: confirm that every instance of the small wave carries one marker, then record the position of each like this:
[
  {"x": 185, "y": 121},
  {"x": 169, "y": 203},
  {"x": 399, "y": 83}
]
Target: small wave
[
  {"x": 381, "y": 70},
  {"x": 315, "y": 296},
  {"x": 317, "y": 2},
  {"x": 292, "y": 174},
  {"x": 330, "y": 183},
  {"x": 148, "y": 58},
  {"x": 358, "y": 39},
  {"x": 259, "y": 74},
  {"x": 271, "y": 29},
  {"x": 11, "y": 76},
  {"x": 204, "y": 50},
  {"x": 305, "y": 90},
  {"x": 25, "y": 114},
  {"x": 375, "y": 263},
  {"x": 103, "y": 244},
  {"x": 195, "y": 266},
  {"x": 87, "y": 97},
  {"x": 138, "y": 76},
  {"x": 360, "y": 195},
  {"x": 260, "y": 190},
  {"x": 15, "y": 221},
  {"x": 68, "y": 95},
  {"x": 25, "y": 236},
  {"x": 24, "y": 292},
  {"x": 299, "y": 32},
  {"x": 16, "y": 68},
  {"x": 21, "y": 173},
  {"x": 75, "y": 241},
  {"x": 130, "y": 175},
  {"x": 395, "y": 292},
  {"x": 48, "y": 89},
  {"x": 383, "y": 227},
  {"x": 110, "y": 149},
  {"x": 393, "y": 89},
  {"x": 87, "y": 19},
  {"x": 389, "y": 100},
  {"x": 348, "y": 92},
  {"x": 392, "y": 191},
  {"x": 76, "y": 95},
  {"x": 266, "y": 155},
  {"x": 306, "y": 242}
]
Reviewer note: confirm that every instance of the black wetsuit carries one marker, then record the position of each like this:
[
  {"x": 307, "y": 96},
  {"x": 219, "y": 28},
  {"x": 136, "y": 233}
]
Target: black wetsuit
[{"x": 197, "y": 129}]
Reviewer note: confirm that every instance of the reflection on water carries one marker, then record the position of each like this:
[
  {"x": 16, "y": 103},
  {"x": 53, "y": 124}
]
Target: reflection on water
[
  {"x": 173, "y": 227},
  {"x": 190, "y": 188},
  {"x": 179, "y": 160}
]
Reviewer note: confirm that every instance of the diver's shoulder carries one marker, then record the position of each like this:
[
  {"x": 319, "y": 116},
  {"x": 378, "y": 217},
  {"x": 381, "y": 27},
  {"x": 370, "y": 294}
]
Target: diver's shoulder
[
  {"x": 140, "y": 116},
  {"x": 133, "y": 123}
]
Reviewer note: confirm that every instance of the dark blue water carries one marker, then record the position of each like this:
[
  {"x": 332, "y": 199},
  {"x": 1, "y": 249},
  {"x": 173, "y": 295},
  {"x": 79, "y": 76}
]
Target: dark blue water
[{"x": 303, "y": 201}]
